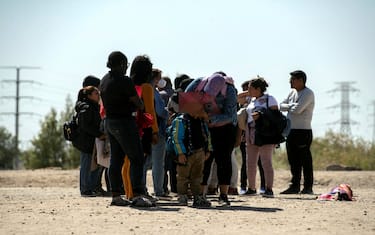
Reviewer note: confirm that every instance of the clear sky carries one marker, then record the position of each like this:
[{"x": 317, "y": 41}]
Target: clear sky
[{"x": 331, "y": 40}]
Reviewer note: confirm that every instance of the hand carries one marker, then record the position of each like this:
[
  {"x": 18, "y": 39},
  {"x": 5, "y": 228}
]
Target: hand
[
  {"x": 102, "y": 137},
  {"x": 182, "y": 159},
  {"x": 207, "y": 156},
  {"x": 155, "y": 138},
  {"x": 255, "y": 115}
]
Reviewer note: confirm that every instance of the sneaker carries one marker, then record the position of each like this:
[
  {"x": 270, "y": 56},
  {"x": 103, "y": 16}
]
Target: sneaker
[
  {"x": 232, "y": 191},
  {"x": 163, "y": 196},
  {"x": 242, "y": 191},
  {"x": 251, "y": 192},
  {"x": 142, "y": 201},
  {"x": 88, "y": 194},
  {"x": 291, "y": 190},
  {"x": 201, "y": 202},
  {"x": 268, "y": 193},
  {"x": 183, "y": 200},
  {"x": 120, "y": 201},
  {"x": 223, "y": 200},
  {"x": 262, "y": 190},
  {"x": 307, "y": 191},
  {"x": 100, "y": 192},
  {"x": 151, "y": 198}
]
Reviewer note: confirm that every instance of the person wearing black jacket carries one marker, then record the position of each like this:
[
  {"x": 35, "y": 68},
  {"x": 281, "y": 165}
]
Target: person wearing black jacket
[{"x": 87, "y": 108}]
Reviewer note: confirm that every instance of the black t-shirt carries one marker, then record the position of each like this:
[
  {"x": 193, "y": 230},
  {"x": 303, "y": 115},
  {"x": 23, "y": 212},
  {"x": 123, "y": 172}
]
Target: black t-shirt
[{"x": 115, "y": 90}]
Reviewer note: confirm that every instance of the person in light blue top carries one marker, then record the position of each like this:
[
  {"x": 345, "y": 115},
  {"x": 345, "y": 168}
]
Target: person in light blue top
[{"x": 222, "y": 126}]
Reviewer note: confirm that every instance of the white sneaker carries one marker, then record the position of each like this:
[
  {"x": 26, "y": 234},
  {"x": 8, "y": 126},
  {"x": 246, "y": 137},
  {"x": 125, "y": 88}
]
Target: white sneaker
[
  {"x": 242, "y": 191},
  {"x": 262, "y": 190}
]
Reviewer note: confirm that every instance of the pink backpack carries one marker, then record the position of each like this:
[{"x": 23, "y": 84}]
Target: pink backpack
[{"x": 213, "y": 85}]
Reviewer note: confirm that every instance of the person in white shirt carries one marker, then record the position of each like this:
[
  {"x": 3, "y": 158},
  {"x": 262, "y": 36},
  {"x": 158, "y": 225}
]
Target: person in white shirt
[{"x": 258, "y": 100}]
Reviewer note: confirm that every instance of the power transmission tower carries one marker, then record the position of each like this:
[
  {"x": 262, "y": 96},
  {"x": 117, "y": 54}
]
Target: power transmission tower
[
  {"x": 17, "y": 113},
  {"x": 345, "y": 122}
]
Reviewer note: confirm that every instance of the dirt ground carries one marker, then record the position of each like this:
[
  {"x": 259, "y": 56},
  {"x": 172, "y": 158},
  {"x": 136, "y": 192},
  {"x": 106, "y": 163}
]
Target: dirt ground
[{"x": 47, "y": 201}]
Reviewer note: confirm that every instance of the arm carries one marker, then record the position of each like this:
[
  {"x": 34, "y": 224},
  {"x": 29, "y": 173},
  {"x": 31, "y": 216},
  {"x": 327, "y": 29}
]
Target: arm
[
  {"x": 178, "y": 134},
  {"x": 288, "y": 103},
  {"x": 272, "y": 103},
  {"x": 229, "y": 107},
  {"x": 87, "y": 122},
  {"x": 304, "y": 101},
  {"x": 148, "y": 99},
  {"x": 193, "y": 85},
  {"x": 242, "y": 97},
  {"x": 209, "y": 145}
]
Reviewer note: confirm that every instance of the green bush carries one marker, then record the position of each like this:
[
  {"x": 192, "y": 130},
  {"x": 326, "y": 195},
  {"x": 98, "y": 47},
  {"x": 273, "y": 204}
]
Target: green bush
[
  {"x": 332, "y": 149},
  {"x": 341, "y": 149}
]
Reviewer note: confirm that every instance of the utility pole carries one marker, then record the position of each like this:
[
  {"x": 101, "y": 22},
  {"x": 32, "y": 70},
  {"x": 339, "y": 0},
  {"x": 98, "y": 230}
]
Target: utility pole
[
  {"x": 16, "y": 161},
  {"x": 345, "y": 122}
]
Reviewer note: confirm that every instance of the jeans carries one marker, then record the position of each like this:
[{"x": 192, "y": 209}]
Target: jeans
[
  {"x": 157, "y": 161},
  {"x": 124, "y": 139},
  {"x": 87, "y": 178}
]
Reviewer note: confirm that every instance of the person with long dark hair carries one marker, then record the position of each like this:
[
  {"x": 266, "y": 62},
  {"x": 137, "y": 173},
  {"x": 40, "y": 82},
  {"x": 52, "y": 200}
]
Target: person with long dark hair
[
  {"x": 259, "y": 99},
  {"x": 87, "y": 108}
]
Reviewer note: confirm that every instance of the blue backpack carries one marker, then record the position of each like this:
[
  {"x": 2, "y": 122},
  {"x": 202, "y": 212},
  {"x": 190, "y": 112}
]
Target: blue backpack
[{"x": 169, "y": 142}]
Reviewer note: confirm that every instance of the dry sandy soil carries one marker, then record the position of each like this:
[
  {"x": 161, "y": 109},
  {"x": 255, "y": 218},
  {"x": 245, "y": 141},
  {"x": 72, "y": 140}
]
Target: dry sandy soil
[{"x": 47, "y": 201}]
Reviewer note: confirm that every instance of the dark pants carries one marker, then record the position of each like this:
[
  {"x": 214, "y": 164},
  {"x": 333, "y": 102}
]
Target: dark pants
[
  {"x": 222, "y": 140},
  {"x": 102, "y": 170},
  {"x": 243, "y": 177},
  {"x": 299, "y": 156},
  {"x": 124, "y": 139},
  {"x": 170, "y": 166}
]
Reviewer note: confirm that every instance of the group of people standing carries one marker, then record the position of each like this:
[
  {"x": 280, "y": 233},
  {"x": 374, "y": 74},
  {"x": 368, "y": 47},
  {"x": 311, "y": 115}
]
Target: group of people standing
[{"x": 110, "y": 110}]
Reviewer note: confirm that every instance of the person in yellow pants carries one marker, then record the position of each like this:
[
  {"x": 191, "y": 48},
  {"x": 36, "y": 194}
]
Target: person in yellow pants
[{"x": 126, "y": 178}]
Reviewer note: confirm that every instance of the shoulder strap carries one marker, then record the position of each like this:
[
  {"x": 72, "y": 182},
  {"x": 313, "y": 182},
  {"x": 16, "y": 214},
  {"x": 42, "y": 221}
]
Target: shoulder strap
[{"x": 201, "y": 84}]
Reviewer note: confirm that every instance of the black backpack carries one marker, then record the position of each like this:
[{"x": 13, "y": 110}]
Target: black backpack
[
  {"x": 70, "y": 129},
  {"x": 270, "y": 126}
]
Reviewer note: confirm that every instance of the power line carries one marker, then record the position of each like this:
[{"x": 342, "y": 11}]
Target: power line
[
  {"x": 345, "y": 88},
  {"x": 17, "y": 97}
]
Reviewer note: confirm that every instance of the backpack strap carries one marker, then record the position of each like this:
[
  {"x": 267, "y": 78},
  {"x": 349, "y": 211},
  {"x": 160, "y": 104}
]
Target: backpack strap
[
  {"x": 201, "y": 84},
  {"x": 213, "y": 85}
]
